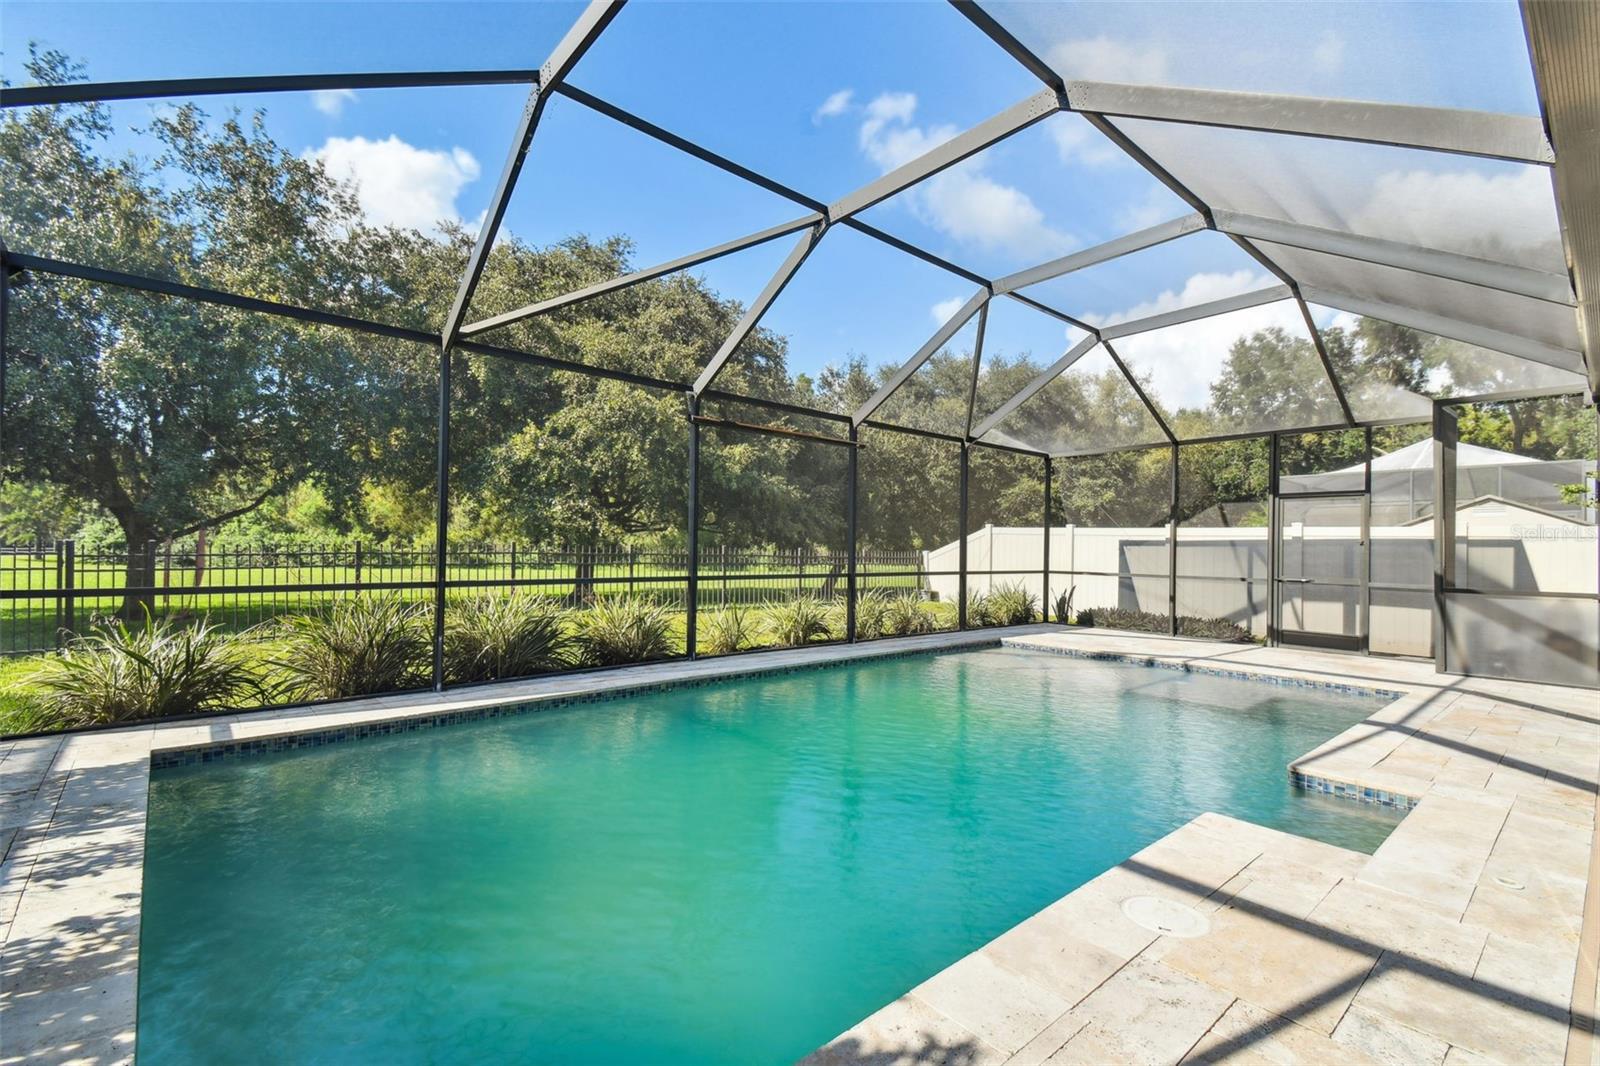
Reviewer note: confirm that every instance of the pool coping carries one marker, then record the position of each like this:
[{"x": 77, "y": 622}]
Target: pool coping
[
  {"x": 71, "y": 879},
  {"x": 1469, "y": 936}
]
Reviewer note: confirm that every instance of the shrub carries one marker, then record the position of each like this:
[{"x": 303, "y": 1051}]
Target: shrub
[
  {"x": 1012, "y": 605},
  {"x": 624, "y": 629},
  {"x": 359, "y": 646},
  {"x": 1213, "y": 629},
  {"x": 872, "y": 610},
  {"x": 980, "y": 612},
  {"x": 730, "y": 629},
  {"x": 1123, "y": 618},
  {"x": 489, "y": 637},
  {"x": 903, "y": 616},
  {"x": 1064, "y": 605},
  {"x": 798, "y": 621},
  {"x": 124, "y": 673}
]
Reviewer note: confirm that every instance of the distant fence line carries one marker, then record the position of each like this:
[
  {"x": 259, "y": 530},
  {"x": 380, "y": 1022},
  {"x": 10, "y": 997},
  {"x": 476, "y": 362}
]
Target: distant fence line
[{"x": 49, "y": 591}]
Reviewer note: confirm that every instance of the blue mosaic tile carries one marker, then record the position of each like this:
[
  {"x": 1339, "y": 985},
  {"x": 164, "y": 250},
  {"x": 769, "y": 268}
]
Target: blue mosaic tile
[
  {"x": 243, "y": 749},
  {"x": 1357, "y": 793},
  {"x": 1212, "y": 671}
]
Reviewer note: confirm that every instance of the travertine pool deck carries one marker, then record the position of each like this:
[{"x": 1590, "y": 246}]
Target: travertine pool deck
[
  {"x": 1458, "y": 942},
  {"x": 1464, "y": 939}
]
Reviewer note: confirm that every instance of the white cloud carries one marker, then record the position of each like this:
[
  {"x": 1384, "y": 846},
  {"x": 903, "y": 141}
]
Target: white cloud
[
  {"x": 1493, "y": 215},
  {"x": 1155, "y": 206},
  {"x": 836, "y": 104},
  {"x": 1106, "y": 59},
  {"x": 963, "y": 202},
  {"x": 1328, "y": 55},
  {"x": 399, "y": 184},
  {"x": 1184, "y": 360},
  {"x": 331, "y": 101},
  {"x": 1077, "y": 141},
  {"x": 942, "y": 310}
]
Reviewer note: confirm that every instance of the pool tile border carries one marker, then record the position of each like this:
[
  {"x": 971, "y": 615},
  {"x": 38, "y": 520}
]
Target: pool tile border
[
  {"x": 1355, "y": 793},
  {"x": 233, "y": 750},
  {"x": 1190, "y": 667}
]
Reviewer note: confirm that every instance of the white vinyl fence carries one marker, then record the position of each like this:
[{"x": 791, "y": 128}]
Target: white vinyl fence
[{"x": 1223, "y": 572}]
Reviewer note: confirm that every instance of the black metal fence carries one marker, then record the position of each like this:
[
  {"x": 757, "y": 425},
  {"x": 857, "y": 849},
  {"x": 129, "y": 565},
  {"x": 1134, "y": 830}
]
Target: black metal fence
[{"x": 50, "y": 591}]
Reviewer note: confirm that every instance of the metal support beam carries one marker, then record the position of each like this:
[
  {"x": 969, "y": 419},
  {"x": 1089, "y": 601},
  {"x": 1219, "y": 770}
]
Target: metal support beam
[
  {"x": 683, "y": 144},
  {"x": 961, "y": 551},
  {"x": 5, "y": 351},
  {"x": 1537, "y": 284},
  {"x": 1100, "y": 253},
  {"x": 1274, "y": 540},
  {"x": 977, "y": 368},
  {"x": 940, "y": 338},
  {"x": 1017, "y": 117},
  {"x": 1273, "y": 294},
  {"x": 441, "y": 531},
  {"x": 1518, "y": 138},
  {"x": 1003, "y": 37},
  {"x": 913, "y": 250},
  {"x": 595, "y": 18},
  {"x": 1045, "y": 377},
  {"x": 85, "y": 92},
  {"x": 1564, "y": 41},
  {"x": 1138, "y": 390},
  {"x": 692, "y": 608},
  {"x": 752, "y": 317},
  {"x": 1322, "y": 355},
  {"x": 1428, "y": 322},
  {"x": 1172, "y": 549},
  {"x": 671, "y": 266},
  {"x": 851, "y": 519},
  {"x": 1044, "y": 595},
  {"x": 162, "y": 287},
  {"x": 1446, "y": 436}
]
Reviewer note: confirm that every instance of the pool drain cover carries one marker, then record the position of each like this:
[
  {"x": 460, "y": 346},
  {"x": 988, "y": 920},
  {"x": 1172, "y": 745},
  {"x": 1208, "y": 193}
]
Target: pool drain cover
[{"x": 1166, "y": 917}]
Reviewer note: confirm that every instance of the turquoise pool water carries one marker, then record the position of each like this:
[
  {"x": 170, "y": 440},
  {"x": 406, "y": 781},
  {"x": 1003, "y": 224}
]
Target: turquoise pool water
[{"x": 730, "y": 874}]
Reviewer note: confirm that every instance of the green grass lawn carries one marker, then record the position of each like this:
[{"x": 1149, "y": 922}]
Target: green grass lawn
[
  {"x": 30, "y": 624},
  {"x": 25, "y": 707}
]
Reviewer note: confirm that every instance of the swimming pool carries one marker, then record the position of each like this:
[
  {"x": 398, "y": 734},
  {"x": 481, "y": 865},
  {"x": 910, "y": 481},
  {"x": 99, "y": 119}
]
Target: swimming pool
[{"x": 729, "y": 873}]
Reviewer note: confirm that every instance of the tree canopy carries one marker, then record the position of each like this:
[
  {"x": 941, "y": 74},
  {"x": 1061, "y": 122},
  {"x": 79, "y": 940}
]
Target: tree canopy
[{"x": 147, "y": 418}]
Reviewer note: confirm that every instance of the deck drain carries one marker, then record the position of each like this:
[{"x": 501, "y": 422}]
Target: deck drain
[
  {"x": 1166, "y": 917},
  {"x": 1509, "y": 882}
]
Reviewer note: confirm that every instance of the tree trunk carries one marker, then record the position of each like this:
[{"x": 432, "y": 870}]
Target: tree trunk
[{"x": 140, "y": 571}]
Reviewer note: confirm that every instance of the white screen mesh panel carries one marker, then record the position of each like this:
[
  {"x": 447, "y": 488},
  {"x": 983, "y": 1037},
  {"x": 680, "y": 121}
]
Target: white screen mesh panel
[
  {"x": 1548, "y": 323},
  {"x": 1089, "y": 407},
  {"x": 1245, "y": 371},
  {"x": 1480, "y": 207}
]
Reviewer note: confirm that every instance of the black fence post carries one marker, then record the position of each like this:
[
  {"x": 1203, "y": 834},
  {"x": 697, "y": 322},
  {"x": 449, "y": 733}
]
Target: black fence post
[
  {"x": 69, "y": 574},
  {"x": 151, "y": 548},
  {"x": 61, "y": 583}
]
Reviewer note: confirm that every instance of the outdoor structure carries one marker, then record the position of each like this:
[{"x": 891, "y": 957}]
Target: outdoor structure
[
  {"x": 1210, "y": 673},
  {"x": 1288, "y": 183}
]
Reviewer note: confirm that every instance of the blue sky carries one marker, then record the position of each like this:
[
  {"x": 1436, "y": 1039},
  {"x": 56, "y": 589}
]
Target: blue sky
[{"x": 821, "y": 96}]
